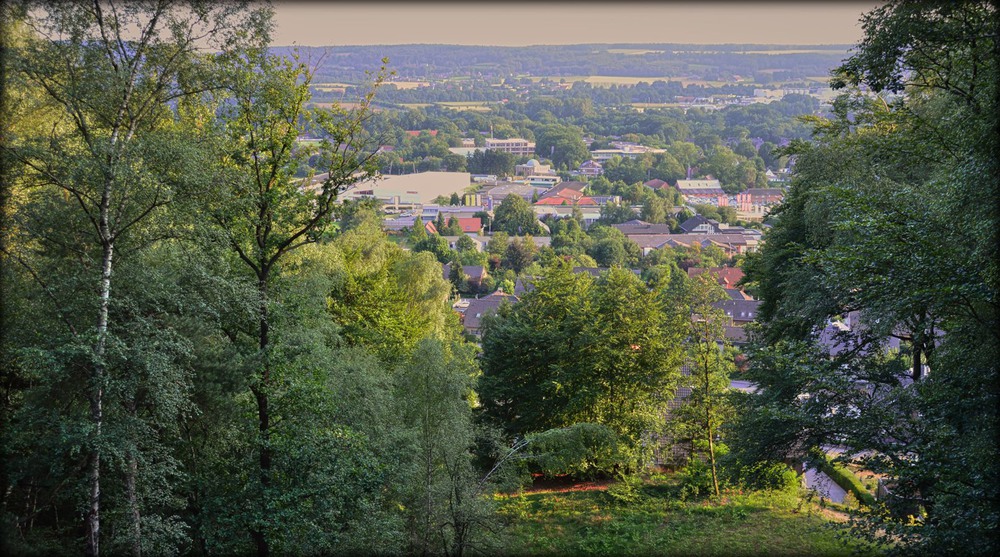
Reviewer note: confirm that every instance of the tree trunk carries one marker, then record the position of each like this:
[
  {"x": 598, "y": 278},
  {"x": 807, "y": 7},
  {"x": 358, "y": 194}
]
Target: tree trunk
[
  {"x": 708, "y": 427},
  {"x": 96, "y": 394},
  {"x": 263, "y": 413},
  {"x": 133, "y": 503}
]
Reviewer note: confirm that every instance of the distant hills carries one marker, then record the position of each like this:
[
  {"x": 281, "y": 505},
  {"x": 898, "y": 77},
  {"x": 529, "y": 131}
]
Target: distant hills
[{"x": 758, "y": 63}]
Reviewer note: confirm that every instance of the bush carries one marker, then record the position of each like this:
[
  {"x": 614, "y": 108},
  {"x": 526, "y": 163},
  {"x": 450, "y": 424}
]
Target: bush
[
  {"x": 626, "y": 491},
  {"x": 582, "y": 450},
  {"x": 762, "y": 476},
  {"x": 695, "y": 480}
]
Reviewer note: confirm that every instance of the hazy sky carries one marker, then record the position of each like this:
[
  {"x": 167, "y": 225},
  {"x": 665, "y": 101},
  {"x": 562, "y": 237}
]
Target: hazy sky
[{"x": 525, "y": 23}]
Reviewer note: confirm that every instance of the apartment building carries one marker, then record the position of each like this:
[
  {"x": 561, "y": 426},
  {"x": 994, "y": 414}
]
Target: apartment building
[{"x": 516, "y": 146}]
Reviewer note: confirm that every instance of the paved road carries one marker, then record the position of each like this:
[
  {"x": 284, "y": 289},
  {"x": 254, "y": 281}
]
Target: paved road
[{"x": 823, "y": 485}]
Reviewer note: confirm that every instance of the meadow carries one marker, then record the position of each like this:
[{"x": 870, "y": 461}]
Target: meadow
[{"x": 656, "y": 520}]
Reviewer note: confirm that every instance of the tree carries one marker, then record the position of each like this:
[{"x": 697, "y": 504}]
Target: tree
[
  {"x": 616, "y": 213},
  {"x": 706, "y": 409},
  {"x": 446, "y": 510},
  {"x": 563, "y": 144},
  {"x": 122, "y": 77},
  {"x": 654, "y": 210},
  {"x": 263, "y": 215},
  {"x": 454, "y": 200},
  {"x": 574, "y": 350},
  {"x": 515, "y": 216},
  {"x": 497, "y": 163},
  {"x": 457, "y": 276},
  {"x": 519, "y": 254},
  {"x": 464, "y": 244},
  {"x": 437, "y": 246},
  {"x": 418, "y": 232},
  {"x": 863, "y": 250}
]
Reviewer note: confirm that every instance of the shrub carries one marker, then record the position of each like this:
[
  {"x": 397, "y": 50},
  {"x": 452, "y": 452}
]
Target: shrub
[
  {"x": 627, "y": 490},
  {"x": 764, "y": 475}
]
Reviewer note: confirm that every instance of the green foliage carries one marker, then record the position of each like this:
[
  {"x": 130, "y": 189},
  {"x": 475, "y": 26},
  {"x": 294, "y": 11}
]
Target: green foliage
[
  {"x": 868, "y": 230},
  {"x": 843, "y": 477},
  {"x": 580, "y": 450},
  {"x": 516, "y": 217},
  {"x": 579, "y": 350},
  {"x": 584, "y": 523}
]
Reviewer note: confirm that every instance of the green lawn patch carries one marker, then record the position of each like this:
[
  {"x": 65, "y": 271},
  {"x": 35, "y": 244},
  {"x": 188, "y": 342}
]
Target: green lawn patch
[{"x": 595, "y": 523}]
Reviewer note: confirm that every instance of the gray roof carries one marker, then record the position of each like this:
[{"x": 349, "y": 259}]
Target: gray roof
[
  {"x": 640, "y": 227},
  {"x": 739, "y": 310},
  {"x": 480, "y": 307}
]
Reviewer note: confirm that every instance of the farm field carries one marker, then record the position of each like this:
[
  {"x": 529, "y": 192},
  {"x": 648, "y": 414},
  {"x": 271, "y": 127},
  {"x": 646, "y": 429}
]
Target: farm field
[
  {"x": 609, "y": 80},
  {"x": 408, "y": 84},
  {"x": 475, "y": 106},
  {"x": 633, "y": 51}
]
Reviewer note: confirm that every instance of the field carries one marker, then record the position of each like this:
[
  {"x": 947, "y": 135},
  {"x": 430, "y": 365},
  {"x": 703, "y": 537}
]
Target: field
[
  {"x": 592, "y": 522},
  {"x": 609, "y": 80},
  {"x": 475, "y": 106},
  {"x": 633, "y": 51},
  {"x": 408, "y": 84}
]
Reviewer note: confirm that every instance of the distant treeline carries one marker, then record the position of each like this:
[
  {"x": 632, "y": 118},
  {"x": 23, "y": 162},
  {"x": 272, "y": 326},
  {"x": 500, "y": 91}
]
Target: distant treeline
[{"x": 709, "y": 62}]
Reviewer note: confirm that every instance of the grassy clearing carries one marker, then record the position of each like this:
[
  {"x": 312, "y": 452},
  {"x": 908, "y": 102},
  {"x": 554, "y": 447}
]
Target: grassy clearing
[{"x": 593, "y": 523}]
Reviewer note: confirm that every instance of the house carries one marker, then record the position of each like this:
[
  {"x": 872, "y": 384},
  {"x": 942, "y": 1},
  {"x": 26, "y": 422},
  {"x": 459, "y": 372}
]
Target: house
[
  {"x": 740, "y": 311},
  {"x": 453, "y": 241},
  {"x": 471, "y": 225},
  {"x": 656, "y": 184},
  {"x": 737, "y": 294},
  {"x": 590, "y": 168},
  {"x": 755, "y": 199},
  {"x": 703, "y": 191},
  {"x": 539, "y": 241},
  {"x": 590, "y": 213},
  {"x": 727, "y": 277},
  {"x": 481, "y": 307},
  {"x": 700, "y": 225},
  {"x": 636, "y": 226},
  {"x": 476, "y": 273},
  {"x": 729, "y": 243},
  {"x": 567, "y": 190}
]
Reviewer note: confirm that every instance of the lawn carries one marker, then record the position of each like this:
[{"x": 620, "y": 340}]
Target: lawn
[{"x": 592, "y": 522}]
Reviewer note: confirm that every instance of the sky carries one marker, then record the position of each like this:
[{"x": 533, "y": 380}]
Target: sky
[{"x": 519, "y": 23}]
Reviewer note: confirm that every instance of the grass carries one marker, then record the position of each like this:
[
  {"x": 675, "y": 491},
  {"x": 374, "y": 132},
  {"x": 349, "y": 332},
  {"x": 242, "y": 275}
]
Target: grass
[{"x": 591, "y": 522}]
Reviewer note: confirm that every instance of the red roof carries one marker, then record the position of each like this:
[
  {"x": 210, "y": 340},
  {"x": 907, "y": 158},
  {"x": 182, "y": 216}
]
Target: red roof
[
  {"x": 727, "y": 276},
  {"x": 471, "y": 224},
  {"x": 554, "y": 200},
  {"x": 415, "y": 133}
]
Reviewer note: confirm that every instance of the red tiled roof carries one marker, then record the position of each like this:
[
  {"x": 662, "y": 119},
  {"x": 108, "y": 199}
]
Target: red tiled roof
[
  {"x": 726, "y": 276},
  {"x": 471, "y": 224}
]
